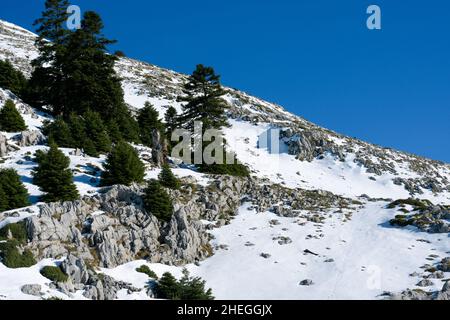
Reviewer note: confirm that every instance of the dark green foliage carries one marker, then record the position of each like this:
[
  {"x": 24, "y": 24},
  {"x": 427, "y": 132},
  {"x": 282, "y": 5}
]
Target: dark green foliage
[
  {"x": 11, "y": 79},
  {"x": 168, "y": 179},
  {"x": 47, "y": 84},
  {"x": 54, "y": 177},
  {"x": 202, "y": 95},
  {"x": 187, "y": 288},
  {"x": 96, "y": 132},
  {"x": 59, "y": 132},
  {"x": 146, "y": 270},
  {"x": 148, "y": 120},
  {"x": 87, "y": 133},
  {"x": 123, "y": 166},
  {"x": 12, "y": 258},
  {"x": 17, "y": 230},
  {"x": 3, "y": 200},
  {"x": 54, "y": 273},
  {"x": 170, "y": 118},
  {"x": 416, "y": 203},
  {"x": 10, "y": 118},
  {"x": 15, "y": 194},
  {"x": 157, "y": 201},
  {"x": 401, "y": 221},
  {"x": 232, "y": 169}
]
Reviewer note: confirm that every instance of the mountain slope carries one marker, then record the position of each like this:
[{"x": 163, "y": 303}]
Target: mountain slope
[{"x": 315, "y": 207}]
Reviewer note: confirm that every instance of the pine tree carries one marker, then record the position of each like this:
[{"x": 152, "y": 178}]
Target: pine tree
[
  {"x": 96, "y": 131},
  {"x": 3, "y": 200},
  {"x": 157, "y": 201},
  {"x": 10, "y": 118},
  {"x": 148, "y": 120},
  {"x": 123, "y": 166},
  {"x": 168, "y": 287},
  {"x": 54, "y": 177},
  {"x": 47, "y": 84},
  {"x": 92, "y": 83},
  {"x": 202, "y": 95},
  {"x": 193, "y": 288},
  {"x": 168, "y": 179},
  {"x": 16, "y": 195},
  {"x": 59, "y": 132},
  {"x": 12, "y": 79},
  {"x": 78, "y": 132},
  {"x": 170, "y": 118}
]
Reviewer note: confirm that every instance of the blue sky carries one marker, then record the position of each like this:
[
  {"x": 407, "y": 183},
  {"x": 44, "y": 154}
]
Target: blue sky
[{"x": 314, "y": 57}]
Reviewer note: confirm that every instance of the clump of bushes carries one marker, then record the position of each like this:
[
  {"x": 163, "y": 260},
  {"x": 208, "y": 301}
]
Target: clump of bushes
[
  {"x": 416, "y": 203},
  {"x": 146, "y": 270},
  {"x": 17, "y": 230},
  {"x": 13, "y": 236},
  {"x": 401, "y": 221},
  {"x": 54, "y": 273},
  {"x": 13, "y": 258},
  {"x": 187, "y": 288}
]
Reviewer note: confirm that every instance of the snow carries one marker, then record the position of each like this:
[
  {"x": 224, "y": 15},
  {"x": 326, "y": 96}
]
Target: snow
[{"x": 343, "y": 178}]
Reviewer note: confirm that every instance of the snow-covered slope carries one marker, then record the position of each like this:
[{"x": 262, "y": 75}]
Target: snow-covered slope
[{"x": 262, "y": 254}]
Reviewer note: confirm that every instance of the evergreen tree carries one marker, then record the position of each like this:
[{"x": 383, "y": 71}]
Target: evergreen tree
[
  {"x": 170, "y": 118},
  {"x": 157, "y": 201},
  {"x": 193, "y": 288},
  {"x": 12, "y": 79},
  {"x": 168, "y": 287},
  {"x": 123, "y": 166},
  {"x": 3, "y": 200},
  {"x": 78, "y": 132},
  {"x": 15, "y": 194},
  {"x": 148, "y": 120},
  {"x": 92, "y": 83},
  {"x": 10, "y": 118},
  {"x": 48, "y": 81},
  {"x": 168, "y": 179},
  {"x": 114, "y": 131},
  {"x": 187, "y": 288},
  {"x": 96, "y": 131},
  {"x": 203, "y": 102},
  {"x": 59, "y": 132},
  {"x": 54, "y": 177}
]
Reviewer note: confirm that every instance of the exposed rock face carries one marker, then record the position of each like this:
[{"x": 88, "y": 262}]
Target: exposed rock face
[
  {"x": 159, "y": 149},
  {"x": 32, "y": 289},
  {"x": 419, "y": 294},
  {"x": 30, "y": 138},
  {"x": 3, "y": 146}
]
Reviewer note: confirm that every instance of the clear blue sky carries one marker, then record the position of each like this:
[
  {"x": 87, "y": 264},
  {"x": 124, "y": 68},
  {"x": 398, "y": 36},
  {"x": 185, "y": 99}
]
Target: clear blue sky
[{"x": 314, "y": 57}]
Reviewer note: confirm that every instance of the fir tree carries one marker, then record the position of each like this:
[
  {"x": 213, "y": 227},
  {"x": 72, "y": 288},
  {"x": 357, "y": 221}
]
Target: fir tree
[
  {"x": 15, "y": 193},
  {"x": 170, "y": 118},
  {"x": 148, "y": 120},
  {"x": 168, "y": 287},
  {"x": 59, "y": 132},
  {"x": 12, "y": 79},
  {"x": 96, "y": 132},
  {"x": 10, "y": 118},
  {"x": 3, "y": 200},
  {"x": 157, "y": 201},
  {"x": 203, "y": 102},
  {"x": 187, "y": 288},
  {"x": 78, "y": 132},
  {"x": 123, "y": 166},
  {"x": 47, "y": 84},
  {"x": 168, "y": 179},
  {"x": 54, "y": 177}
]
